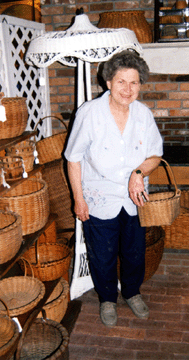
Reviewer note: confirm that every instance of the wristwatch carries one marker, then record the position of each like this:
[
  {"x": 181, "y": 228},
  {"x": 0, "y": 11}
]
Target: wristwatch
[{"x": 138, "y": 171}]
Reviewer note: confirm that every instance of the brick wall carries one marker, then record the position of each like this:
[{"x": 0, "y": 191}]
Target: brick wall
[{"x": 166, "y": 95}]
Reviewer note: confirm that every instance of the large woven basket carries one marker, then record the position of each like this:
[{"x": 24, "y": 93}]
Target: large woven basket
[
  {"x": 50, "y": 148},
  {"x": 17, "y": 117},
  {"x": 133, "y": 20},
  {"x": 154, "y": 251},
  {"x": 9, "y": 335},
  {"x": 45, "y": 339},
  {"x": 21, "y": 294},
  {"x": 30, "y": 200},
  {"x": 57, "y": 303},
  {"x": 10, "y": 235},
  {"x": 163, "y": 207},
  {"x": 177, "y": 234},
  {"x": 59, "y": 196},
  {"x": 26, "y": 150},
  {"x": 48, "y": 261}
]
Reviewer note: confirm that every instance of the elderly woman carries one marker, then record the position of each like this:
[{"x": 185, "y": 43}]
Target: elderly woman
[{"x": 113, "y": 146}]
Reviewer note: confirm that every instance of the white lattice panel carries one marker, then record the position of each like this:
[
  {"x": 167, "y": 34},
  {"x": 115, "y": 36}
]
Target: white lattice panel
[{"x": 17, "y": 78}]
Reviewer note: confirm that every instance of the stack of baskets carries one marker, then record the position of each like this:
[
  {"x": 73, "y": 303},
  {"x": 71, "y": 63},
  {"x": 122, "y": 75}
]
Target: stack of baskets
[{"x": 26, "y": 150}]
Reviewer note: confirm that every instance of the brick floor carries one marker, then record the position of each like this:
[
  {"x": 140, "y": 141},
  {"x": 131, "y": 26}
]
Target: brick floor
[{"x": 164, "y": 336}]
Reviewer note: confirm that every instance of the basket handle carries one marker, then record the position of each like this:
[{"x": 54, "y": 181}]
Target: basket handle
[
  {"x": 173, "y": 177},
  {"x": 5, "y": 305},
  {"x": 26, "y": 327},
  {"x": 51, "y": 116},
  {"x": 25, "y": 267}
]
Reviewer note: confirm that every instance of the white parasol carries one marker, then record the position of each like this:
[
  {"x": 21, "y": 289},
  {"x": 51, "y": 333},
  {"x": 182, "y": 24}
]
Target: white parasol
[
  {"x": 81, "y": 42},
  {"x": 80, "y": 45}
]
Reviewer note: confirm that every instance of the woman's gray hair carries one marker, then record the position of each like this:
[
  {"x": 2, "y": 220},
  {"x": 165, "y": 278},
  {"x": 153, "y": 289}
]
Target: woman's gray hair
[{"x": 125, "y": 60}]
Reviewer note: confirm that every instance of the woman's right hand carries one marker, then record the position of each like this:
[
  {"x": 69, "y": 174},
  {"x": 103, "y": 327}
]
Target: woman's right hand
[{"x": 81, "y": 210}]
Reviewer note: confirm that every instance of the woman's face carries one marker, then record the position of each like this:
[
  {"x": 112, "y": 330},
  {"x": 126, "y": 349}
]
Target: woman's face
[{"x": 124, "y": 87}]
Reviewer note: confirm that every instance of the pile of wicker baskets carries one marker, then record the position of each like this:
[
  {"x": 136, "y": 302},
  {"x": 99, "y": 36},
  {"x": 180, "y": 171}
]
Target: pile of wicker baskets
[{"x": 25, "y": 210}]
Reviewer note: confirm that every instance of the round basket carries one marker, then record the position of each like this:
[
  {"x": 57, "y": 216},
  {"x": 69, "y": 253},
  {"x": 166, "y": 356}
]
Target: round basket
[
  {"x": 17, "y": 117},
  {"x": 162, "y": 208},
  {"x": 10, "y": 235},
  {"x": 25, "y": 149},
  {"x": 9, "y": 335},
  {"x": 13, "y": 167},
  {"x": 133, "y": 20},
  {"x": 48, "y": 261},
  {"x": 57, "y": 303},
  {"x": 21, "y": 294},
  {"x": 50, "y": 148},
  {"x": 30, "y": 200},
  {"x": 154, "y": 251},
  {"x": 44, "y": 339}
]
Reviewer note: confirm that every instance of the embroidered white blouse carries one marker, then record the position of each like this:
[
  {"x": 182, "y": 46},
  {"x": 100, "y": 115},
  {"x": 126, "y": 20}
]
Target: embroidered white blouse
[{"x": 108, "y": 157}]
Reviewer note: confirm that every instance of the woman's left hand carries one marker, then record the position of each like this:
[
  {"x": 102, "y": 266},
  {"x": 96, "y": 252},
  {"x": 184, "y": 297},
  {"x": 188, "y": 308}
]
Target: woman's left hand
[{"x": 136, "y": 189}]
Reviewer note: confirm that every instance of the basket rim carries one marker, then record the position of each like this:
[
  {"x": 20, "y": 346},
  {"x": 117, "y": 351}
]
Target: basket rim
[
  {"x": 16, "y": 223},
  {"x": 43, "y": 189},
  {"x": 50, "y": 263},
  {"x": 30, "y": 305}
]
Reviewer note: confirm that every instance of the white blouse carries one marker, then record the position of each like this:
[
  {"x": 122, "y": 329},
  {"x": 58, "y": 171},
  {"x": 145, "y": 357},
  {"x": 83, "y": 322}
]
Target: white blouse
[{"x": 108, "y": 157}]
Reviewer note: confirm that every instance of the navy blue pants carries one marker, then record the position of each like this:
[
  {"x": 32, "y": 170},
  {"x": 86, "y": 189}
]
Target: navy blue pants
[{"x": 104, "y": 239}]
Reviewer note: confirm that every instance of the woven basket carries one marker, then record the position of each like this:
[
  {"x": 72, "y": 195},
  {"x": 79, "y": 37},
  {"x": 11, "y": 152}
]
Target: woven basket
[
  {"x": 10, "y": 235},
  {"x": 49, "y": 235},
  {"x": 133, "y": 20},
  {"x": 48, "y": 261},
  {"x": 59, "y": 196},
  {"x": 170, "y": 19},
  {"x": 51, "y": 148},
  {"x": 176, "y": 234},
  {"x": 30, "y": 200},
  {"x": 25, "y": 149},
  {"x": 13, "y": 167},
  {"x": 162, "y": 208},
  {"x": 9, "y": 335},
  {"x": 21, "y": 294},
  {"x": 45, "y": 339},
  {"x": 184, "y": 199},
  {"x": 154, "y": 251},
  {"x": 17, "y": 117},
  {"x": 57, "y": 303}
]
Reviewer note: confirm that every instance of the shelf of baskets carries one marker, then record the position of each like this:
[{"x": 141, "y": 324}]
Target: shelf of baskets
[{"x": 171, "y": 21}]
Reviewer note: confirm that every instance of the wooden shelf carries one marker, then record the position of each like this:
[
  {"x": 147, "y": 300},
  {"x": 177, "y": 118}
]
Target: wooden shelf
[{"x": 12, "y": 141}]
